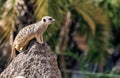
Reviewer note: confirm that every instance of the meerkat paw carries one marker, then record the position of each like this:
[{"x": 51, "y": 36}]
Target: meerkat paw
[
  {"x": 43, "y": 44},
  {"x": 21, "y": 48}
]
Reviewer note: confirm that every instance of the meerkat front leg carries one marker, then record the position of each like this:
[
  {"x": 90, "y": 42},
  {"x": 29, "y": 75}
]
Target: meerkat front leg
[{"x": 39, "y": 39}]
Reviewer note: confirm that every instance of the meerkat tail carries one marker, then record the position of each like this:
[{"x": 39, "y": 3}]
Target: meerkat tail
[{"x": 12, "y": 53}]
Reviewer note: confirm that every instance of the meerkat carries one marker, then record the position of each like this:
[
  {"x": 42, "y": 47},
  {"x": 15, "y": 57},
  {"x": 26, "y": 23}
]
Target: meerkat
[{"x": 29, "y": 32}]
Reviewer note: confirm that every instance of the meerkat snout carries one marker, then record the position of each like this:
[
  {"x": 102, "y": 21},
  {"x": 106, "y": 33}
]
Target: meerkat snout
[{"x": 53, "y": 20}]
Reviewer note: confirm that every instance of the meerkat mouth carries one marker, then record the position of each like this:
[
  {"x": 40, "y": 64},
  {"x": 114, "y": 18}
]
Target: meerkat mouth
[{"x": 53, "y": 20}]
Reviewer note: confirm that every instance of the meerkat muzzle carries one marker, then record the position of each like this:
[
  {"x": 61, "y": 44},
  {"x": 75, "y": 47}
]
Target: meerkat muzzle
[{"x": 53, "y": 20}]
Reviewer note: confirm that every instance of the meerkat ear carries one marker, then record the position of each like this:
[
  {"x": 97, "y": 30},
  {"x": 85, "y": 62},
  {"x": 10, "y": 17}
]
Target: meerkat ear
[{"x": 44, "y": 20}]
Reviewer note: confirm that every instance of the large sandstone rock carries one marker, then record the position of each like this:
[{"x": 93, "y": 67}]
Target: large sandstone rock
[{"x": 36, "y": 62}]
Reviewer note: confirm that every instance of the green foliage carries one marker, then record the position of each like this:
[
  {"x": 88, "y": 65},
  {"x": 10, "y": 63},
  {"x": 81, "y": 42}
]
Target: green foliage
[
  {"x": 112, "y": 8},
  {"x": 8, "y": 18},
  {"x": 2, "y": 2},
  {"x": 96, "y": 25},
  {"x": 98, "y": 28}
]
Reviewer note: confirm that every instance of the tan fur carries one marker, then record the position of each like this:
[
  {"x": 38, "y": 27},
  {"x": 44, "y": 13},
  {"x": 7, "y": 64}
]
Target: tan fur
[{"x": 29, "y": 32}]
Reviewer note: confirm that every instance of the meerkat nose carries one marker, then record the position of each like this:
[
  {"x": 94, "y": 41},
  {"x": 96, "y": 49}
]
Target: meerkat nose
[{"x": 53, "y": 20}]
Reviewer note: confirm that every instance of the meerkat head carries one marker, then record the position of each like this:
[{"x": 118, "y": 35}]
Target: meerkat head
[{"x": 48, "y": 20}]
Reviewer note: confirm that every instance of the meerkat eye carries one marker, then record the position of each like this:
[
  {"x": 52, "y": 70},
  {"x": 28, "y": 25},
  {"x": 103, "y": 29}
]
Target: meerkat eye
[
  {"x": 50, "y": 18},
  {"x": 44, "y": 20}
]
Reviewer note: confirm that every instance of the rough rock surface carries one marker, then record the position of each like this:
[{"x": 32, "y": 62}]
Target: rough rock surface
[{"x": 36, "y": 62}]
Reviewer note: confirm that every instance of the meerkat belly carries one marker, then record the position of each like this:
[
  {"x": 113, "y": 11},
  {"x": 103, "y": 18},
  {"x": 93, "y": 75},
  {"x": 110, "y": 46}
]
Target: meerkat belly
[{"x": 42, "y": 30}]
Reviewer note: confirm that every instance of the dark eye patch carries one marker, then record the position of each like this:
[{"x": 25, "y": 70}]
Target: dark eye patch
[
  {"x": 50, "y": 18},
  {"x": 44, "y": 20}
]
